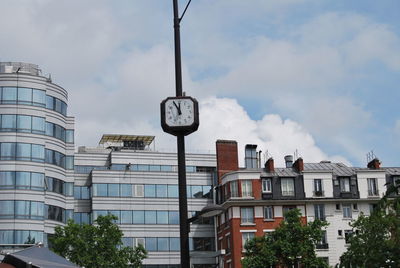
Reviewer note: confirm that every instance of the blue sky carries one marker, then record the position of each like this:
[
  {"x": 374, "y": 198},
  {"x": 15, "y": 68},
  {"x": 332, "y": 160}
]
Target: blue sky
[{"x": 319, "y": 77}]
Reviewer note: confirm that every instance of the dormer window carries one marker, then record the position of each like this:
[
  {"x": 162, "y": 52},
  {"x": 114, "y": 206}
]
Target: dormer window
[
  {"x": 345, "y": 184},
  {"x": 287, "y": 187},
  {"x": 318, "y": 187},
  {"x": 372, "y": 187},
  {"x": 267, "y": 186}
]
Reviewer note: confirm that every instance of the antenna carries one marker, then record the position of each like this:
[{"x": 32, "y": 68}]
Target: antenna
[{"x": 370, "y": 156}]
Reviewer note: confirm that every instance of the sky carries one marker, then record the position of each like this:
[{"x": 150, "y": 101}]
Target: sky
[{"x": 311, "y": 77}]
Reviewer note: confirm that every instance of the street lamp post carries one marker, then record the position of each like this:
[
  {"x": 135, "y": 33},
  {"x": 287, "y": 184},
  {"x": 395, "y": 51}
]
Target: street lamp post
[{"x": 183, "y": 212}]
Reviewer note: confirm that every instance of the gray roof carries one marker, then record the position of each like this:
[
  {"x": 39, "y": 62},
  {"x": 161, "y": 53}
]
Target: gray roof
[
  {"x": 337, "y": 169},
  {"x": 393, "y": 170},
  {"x": 40, "y": 257}
]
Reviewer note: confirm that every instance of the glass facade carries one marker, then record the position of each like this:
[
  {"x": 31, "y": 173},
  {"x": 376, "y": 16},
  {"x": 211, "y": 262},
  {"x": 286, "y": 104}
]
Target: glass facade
[
  {"x": 150, "y": 190},
  {"x": 59, "y": 159},
  {"x": 21, "y": 151},
  {"x": 21, "y": 180}
]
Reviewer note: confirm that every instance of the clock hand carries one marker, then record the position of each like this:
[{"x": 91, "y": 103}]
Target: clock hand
[{"x": 178, "y": 108}]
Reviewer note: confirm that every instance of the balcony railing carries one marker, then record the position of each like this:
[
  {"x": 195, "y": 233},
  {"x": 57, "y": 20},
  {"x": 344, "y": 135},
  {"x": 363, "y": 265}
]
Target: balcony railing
[
  {"x": 319, "y": 193},
  {"x": 322, "y": 246},
  {"x": 287, "y": 193},
  {"x": 373, "y": 193}
]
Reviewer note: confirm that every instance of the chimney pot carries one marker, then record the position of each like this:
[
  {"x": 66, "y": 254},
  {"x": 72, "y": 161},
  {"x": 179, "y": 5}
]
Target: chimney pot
[{"x": 289, "y": 161}]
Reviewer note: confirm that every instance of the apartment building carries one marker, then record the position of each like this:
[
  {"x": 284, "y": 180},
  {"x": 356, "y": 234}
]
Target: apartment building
[{"x": 256, "y": 198}]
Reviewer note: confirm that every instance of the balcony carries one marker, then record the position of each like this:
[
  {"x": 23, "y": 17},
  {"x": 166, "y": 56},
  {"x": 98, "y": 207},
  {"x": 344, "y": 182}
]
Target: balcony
[
  {"x": 318, "y": 193},
  {"x": 347, "y": 195},
  {"x": 373, "y": 193},
  {"x": 267, "y": 196},
  {"x": 322, "y": 246}
]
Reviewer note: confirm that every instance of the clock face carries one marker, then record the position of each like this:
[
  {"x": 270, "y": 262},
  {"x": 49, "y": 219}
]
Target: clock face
[{"x": 179, "y": 112}]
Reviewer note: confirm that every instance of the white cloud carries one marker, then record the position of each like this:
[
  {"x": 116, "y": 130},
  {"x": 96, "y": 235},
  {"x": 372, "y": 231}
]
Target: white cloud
[{"x": 223, "y": 118}]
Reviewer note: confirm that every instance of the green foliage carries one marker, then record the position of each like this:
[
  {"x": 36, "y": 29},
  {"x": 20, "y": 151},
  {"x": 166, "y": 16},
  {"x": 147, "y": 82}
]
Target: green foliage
[
  {"x": 96, "y": 246},
  {"x": 291, "y": 244},
  {"x": 376, "y": 238}
]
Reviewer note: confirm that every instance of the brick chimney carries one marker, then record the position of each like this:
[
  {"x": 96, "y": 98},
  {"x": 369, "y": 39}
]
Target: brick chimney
[
  {"x": 374, "y": 164},
  {"x": 269, "y": 165},
  {"x": 299, "y": 164},
  {"x": 227, "y": 157}
]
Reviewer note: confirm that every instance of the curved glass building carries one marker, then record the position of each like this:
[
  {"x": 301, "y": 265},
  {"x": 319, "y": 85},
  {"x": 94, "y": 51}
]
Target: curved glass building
[{"x": 36, "y": 155}]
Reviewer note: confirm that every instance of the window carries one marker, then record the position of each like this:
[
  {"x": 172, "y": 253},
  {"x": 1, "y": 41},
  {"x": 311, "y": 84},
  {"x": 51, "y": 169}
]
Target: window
[
  {"x": 322, "y": 244},
  {"x": 162, "y": 244},
  {"x": 162, "y": 217},
  {"x": 162, "y": 191},
  {"x": 150, "y": 217},
  {"x": 203, "y": 243},
  {"x": 250, "y": 156},
  {"x": 228, "y": 243},
  {"x": 287, "y": 187},
  {"x": 138, "y": 216},
  {"x": 173, "y": 191},
  {"x": 318, "y": 187},
  {"x": 347, "y": 211},
  {"x": 319, "y": 210},
  {"x": 247, "y": 214},
  {"x": 372, "y": 208},
  {"x": 8, "y": 122},
  {"x": 247, "y": 189},
  {"x": 266, "y": 186},
  {"x": 126, "y": 217},
  {"x": 355, "y": 206},
  {"x": 174, "y": 244},
  {"x": 337, "y": 206},
  {"x": 151, "y": 244},
  {"x": 345, "y": 184},
  {"x": 173, "y": 217},
  {"x": 246, "y": 236},
  {"x": 372, "y": 187},
  {"x": 268, "y": 212},
  {"x": 347, "y": 235},
  {"x": 234, "y": 189},
  {"x": 286, "y": 209},
  {"x": 150, "y": 190}
]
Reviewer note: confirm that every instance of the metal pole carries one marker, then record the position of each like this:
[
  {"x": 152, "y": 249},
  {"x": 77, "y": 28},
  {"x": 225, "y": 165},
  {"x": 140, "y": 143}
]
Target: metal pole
[{"x": 183, "y": 213}]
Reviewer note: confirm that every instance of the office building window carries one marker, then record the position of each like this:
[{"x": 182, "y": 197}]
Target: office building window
[
  {"x": 287, "y": 187},
  {"x": 347, "y": 211},
  {"x": 267, "y": 185},
  {"x": 372, "y": 187},
  {"x": 247, "y": 189},
  {"x": 247, "y": 214},
  {"x": 268, "y": 212},
  {"x": 345, "y": 184},
  {"x": 319, "y": 210}
]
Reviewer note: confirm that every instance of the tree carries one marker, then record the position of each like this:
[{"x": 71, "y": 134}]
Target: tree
[
  {"x": 96, "y": 246},
  {"x": 376, "y": 238},
  {"x": 291, "y": 244}
]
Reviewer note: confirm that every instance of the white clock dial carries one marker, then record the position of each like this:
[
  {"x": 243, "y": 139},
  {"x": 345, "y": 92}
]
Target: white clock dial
[{"x": 179, "y": 112}]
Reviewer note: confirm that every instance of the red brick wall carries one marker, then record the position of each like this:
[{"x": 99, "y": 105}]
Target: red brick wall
[
  {"x": 227, "y": 157},
  {"x": 236, "y": 235}
]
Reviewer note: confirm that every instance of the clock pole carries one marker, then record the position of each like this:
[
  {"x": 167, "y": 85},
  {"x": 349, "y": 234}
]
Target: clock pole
[{"x": 183, "y": 212}]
